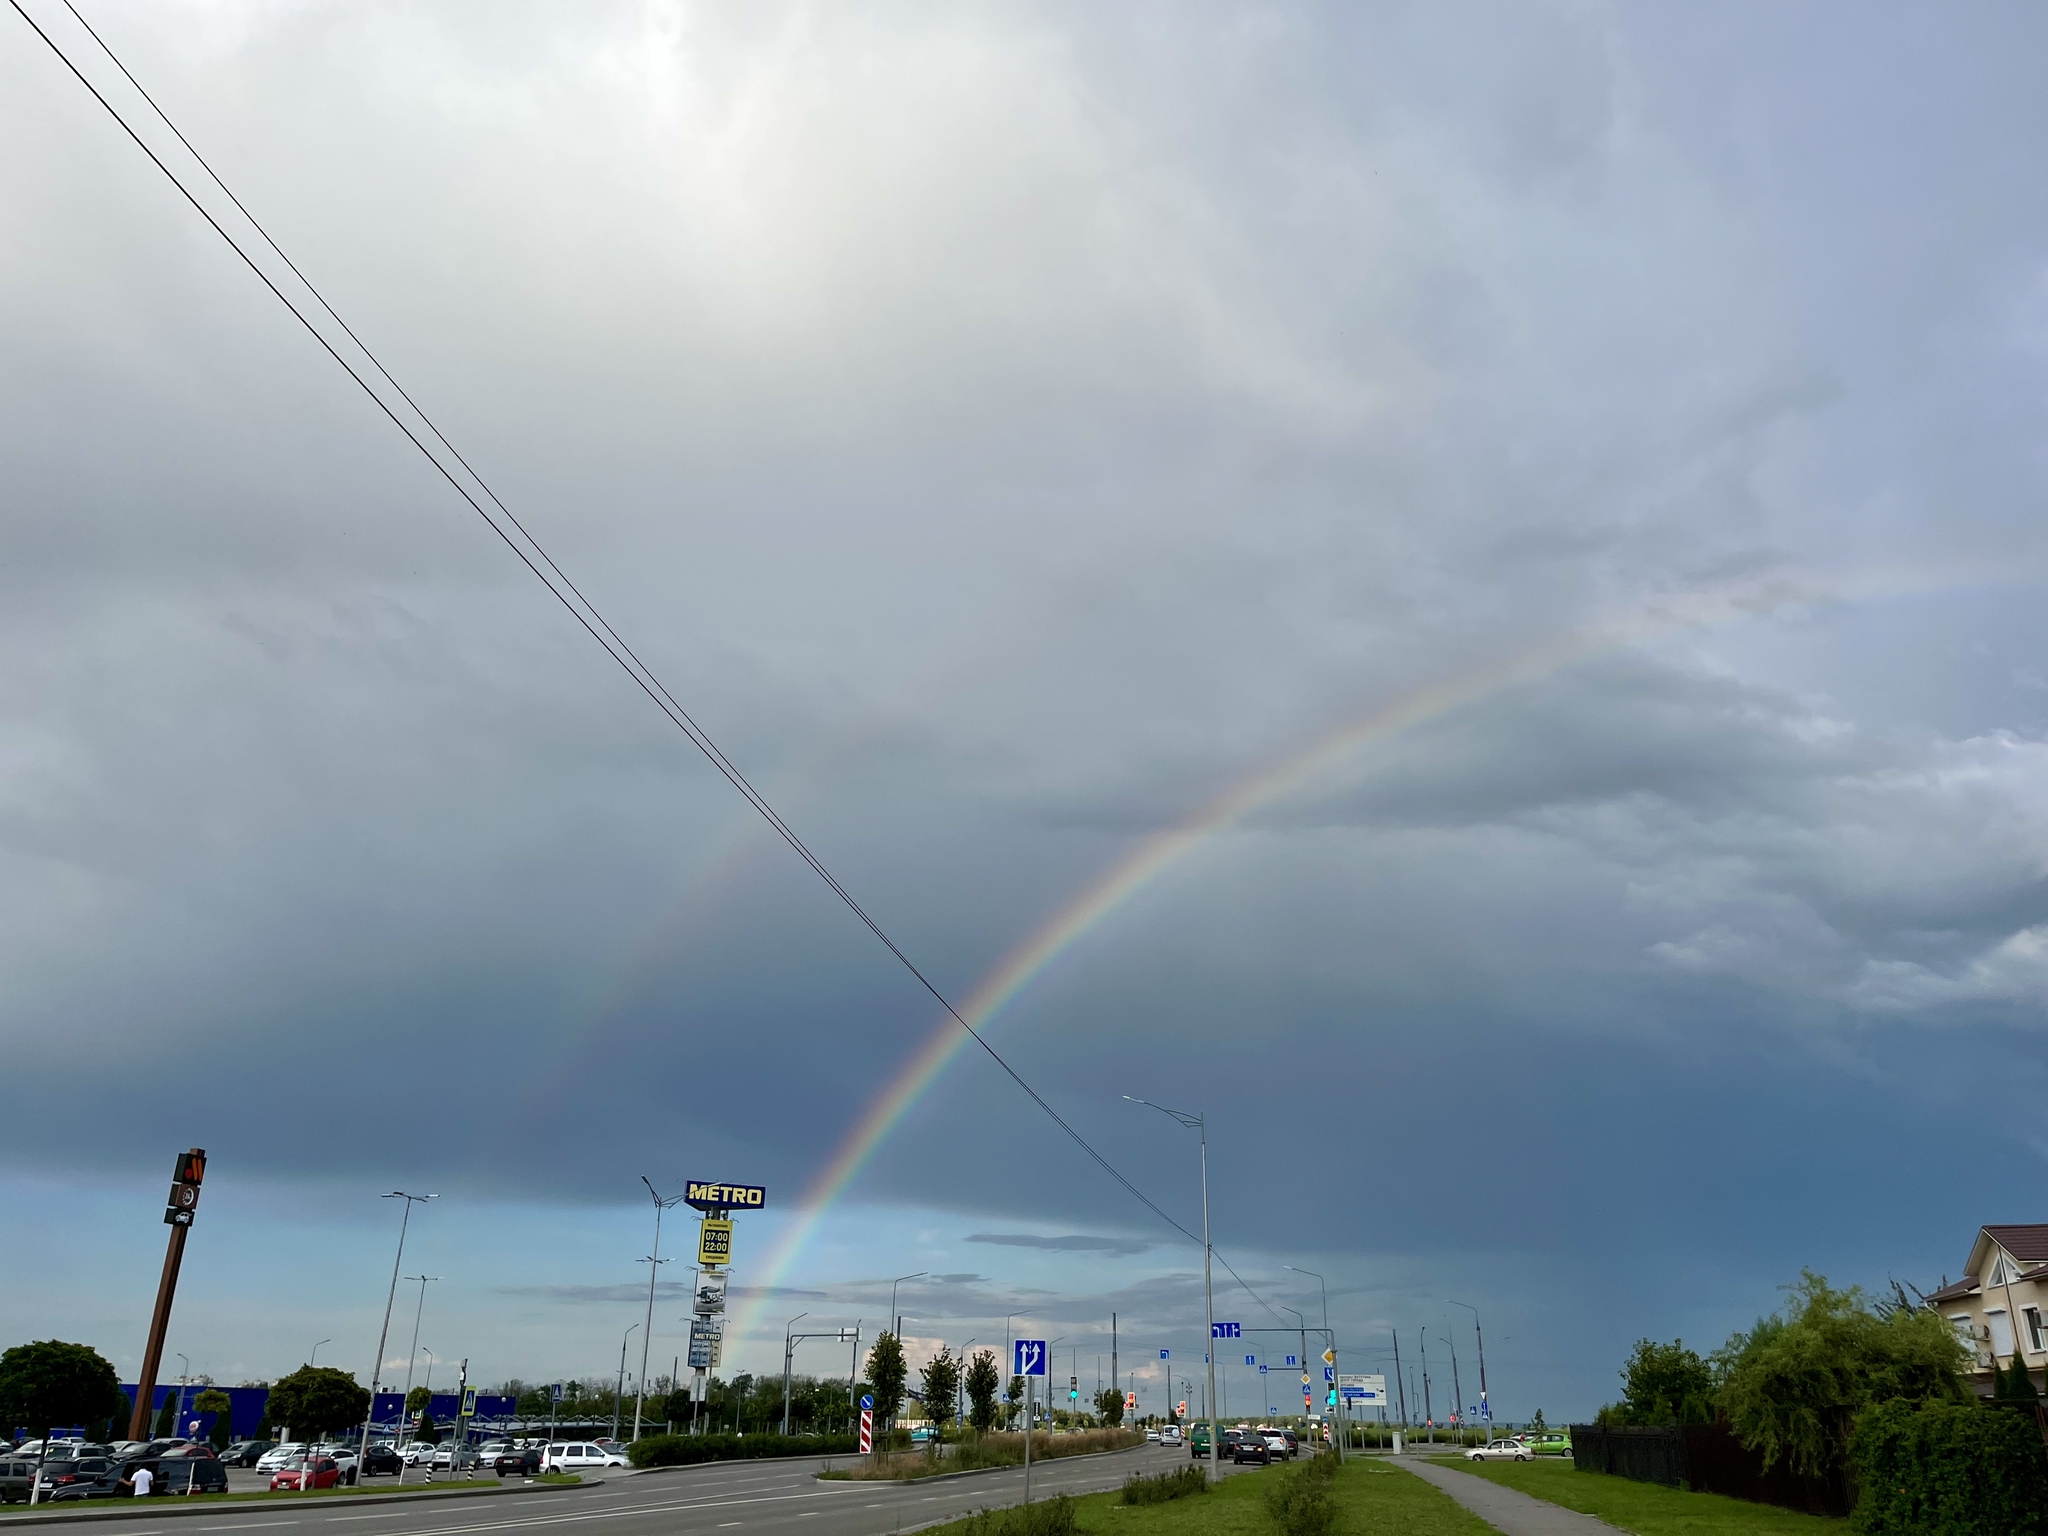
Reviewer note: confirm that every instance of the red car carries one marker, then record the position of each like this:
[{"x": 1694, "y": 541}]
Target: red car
[{"x": 326, "y": 1474}]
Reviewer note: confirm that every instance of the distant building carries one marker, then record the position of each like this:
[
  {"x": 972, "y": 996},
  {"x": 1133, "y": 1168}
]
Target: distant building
[{"x": 2000, "y": 1306}]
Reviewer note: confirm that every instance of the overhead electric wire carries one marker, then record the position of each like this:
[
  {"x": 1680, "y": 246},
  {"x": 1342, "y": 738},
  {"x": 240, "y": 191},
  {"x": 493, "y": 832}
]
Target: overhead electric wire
[{"x": 581, "y": 608}]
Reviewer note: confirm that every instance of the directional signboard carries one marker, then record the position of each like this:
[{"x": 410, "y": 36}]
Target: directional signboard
[
  {"x": 1226, "y": 1330},
  {"x": 1166, "y": 1354},
  {"x": 1368, "y": 1390},
  {"x": 1030, "y": 1359}
]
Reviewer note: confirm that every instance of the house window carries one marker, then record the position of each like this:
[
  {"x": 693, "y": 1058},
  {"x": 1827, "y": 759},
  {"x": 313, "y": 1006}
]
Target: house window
[
  {"x": 2037, "y": 1341},
  {"x": 2001, "y": 1332}
]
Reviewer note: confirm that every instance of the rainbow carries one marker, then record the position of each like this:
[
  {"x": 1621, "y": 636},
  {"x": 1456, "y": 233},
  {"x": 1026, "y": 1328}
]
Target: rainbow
[{"x": 1159, "y": 852}]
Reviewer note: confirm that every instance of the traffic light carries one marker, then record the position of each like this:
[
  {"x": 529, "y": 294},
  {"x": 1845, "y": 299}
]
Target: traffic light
[
  {"x": 1073, "y": 1389},
  {"x": 1331, "y": 1400}
]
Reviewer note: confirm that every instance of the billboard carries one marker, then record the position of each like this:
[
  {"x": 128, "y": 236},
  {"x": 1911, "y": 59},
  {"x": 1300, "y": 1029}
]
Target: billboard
[
  {"x": 710, "y": 1297},
  {"x": 714, "y": 1242},
  {"x": 708, "y": 1196}
]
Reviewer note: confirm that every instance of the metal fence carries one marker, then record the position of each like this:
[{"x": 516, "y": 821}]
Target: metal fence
[
  {"x": 1653, "y": 1455},
  {"x": 1707, "y": 1458}
]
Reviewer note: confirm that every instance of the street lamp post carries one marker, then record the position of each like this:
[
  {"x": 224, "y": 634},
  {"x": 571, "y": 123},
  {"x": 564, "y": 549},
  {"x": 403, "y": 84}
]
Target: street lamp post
[
  {"x": 413, "y": 1355},
  {"x": 960, "y": 1389},
  {"x": 787, "y": 1347},
  {"x": 654, "y": 1261},
  {"x": 619, "y": 1397},
  {"x": 384, "y": 1336},
  {"x": 1486, "y": 1408},
  {"x": 1200, "y": 1123},
  {"x": 316, "y": 1353},
  {"x": 1457, "y": 1391},
  {"x": 1343, "y": 1419}
]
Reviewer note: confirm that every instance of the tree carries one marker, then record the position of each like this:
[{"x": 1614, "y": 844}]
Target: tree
[
  {"x": 221, "y": 1406},
  {"x": 52, "y": 1385},
  {"x": 982, "y": 1385},
  {"x": 939, "y": 1385},
  {"x": 1537, "y": 1423},
  {"x": 417, "y": 1399},
  {"x": 888, "y": 1375},
  {"x": 1109, "y": 1406},
  {"x": 1014, "y": 1396},
  {"x": 1666, "y": 1384},
  {"x": 315, "y": 1399},
  {"x": 1792, "y": 1385}
]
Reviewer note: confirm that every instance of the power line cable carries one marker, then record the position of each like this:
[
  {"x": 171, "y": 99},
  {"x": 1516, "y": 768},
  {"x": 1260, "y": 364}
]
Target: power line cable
[{"x": 580, "y": 607}]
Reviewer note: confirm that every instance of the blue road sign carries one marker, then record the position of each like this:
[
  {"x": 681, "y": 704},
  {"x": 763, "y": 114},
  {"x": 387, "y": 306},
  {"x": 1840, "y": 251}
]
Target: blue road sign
[
  {"x": 1030, "y": 1358},
  {"x": 866, "y": 1400},
  {"x": 1251, "y": 1359},
  {"x": 1166, "y": 1354},
  {"x": 1329, "y": 1373},
  {"x": 1262, "y": 1371},
  {"x": 1292, "y": 1361},
  {"x": 1486, "y": 1410},
  {"x": 1226, "y": 1331}
]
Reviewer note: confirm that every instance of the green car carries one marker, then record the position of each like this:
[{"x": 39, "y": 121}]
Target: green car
[
  {"x": 1198, "y": 1442},
  {"x": 1550, "y": 1445}
]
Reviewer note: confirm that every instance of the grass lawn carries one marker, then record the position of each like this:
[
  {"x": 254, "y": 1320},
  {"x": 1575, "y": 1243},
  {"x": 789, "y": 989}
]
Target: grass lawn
[
  {"x": 1371, "y": 1501},
  {"x": 252, "y": 1496},
  {"x": 1648, "y": 1509}
]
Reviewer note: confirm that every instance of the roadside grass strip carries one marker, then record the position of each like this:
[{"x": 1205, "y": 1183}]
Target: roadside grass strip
[
  {"x": 1370, "y": 1501},
  {"x": 1647, "y": 1509},
  {"x": 286, "y": 1496},
  {"x": 979, "y": 1453}
]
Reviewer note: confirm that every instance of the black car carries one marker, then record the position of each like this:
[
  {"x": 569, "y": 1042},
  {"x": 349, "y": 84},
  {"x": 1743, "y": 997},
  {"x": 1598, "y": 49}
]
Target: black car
[
  {"x": 382, "y": 1460},
  {"x": 65, "y": 1471},
  {"x": 244, "y": 1453},
  {"x": 523, "y": 1463},
  {"x": 170, "y": 1474},
  {"x": 1251, "y": 1446}
]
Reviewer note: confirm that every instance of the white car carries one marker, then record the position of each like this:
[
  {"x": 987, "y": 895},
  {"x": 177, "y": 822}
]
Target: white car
[
  {"x": 1500, "y": 1450},
  {"x": 452, "y": 1457},
  {"x": 275, "y": 1459},
  {"x": 581, "y": 1456},
  {"x": 1170, "y": 1435}
]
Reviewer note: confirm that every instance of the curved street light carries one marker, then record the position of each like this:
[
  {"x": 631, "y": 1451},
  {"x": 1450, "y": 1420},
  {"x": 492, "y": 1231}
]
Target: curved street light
[
  {"x": 1200, "y": 1124},
  {"x": 1485, "y": 1406}
]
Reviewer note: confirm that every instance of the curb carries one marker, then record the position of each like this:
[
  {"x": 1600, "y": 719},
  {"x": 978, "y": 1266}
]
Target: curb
[
  {"x": 123, "y": 1509},
  {"x": 947, "y": 1477}
]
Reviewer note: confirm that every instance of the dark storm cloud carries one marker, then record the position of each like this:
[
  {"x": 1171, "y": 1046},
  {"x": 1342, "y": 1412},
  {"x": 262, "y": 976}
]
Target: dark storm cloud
[{"x": 1006, "y": 431}]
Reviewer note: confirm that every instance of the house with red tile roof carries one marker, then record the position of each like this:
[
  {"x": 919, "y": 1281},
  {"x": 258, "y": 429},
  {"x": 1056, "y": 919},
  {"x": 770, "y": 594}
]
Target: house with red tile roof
[{"x": 2000, "y": 1306}]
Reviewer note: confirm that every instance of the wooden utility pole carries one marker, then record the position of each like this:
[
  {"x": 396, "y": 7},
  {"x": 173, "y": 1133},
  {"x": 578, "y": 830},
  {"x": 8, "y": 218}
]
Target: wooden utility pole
[{"x": 184, "y": 1200}]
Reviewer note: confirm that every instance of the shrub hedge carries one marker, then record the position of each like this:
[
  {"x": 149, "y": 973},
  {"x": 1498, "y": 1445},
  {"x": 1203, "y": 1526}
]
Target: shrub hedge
[
  {"x": 1048, "y": 1517},
  {"x": 1949, "y": 1469},
  {"x": 1140, "y": 1489},
  {"x": 685, "y": 1450}
]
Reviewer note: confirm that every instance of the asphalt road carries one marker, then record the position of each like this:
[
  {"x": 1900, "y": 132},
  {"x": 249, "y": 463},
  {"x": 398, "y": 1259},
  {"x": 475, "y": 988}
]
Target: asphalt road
[{"x": 778, "y": 1498}]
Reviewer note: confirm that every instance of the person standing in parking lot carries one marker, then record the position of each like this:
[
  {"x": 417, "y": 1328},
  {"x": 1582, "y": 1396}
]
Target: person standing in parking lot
[{"x": 139, "y": 1480}]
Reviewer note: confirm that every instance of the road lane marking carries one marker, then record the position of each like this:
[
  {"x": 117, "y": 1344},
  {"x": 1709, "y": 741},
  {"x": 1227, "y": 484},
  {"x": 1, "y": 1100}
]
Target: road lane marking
[
  {"x": 247, "y": 1525},
  {"x": 730, "y": 1524}
]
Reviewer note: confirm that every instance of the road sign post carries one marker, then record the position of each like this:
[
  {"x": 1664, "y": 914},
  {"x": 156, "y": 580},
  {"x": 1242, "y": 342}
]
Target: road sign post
[
  {"x": 867, "y": 1425},
  {"x": 1029, "y": 1361},
  {"x": 186, "y": 1178}
]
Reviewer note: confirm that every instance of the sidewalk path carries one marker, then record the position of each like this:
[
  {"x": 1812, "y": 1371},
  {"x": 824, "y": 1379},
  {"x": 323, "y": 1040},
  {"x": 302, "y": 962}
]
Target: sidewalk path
[{"x": 1506, "y": 1510}]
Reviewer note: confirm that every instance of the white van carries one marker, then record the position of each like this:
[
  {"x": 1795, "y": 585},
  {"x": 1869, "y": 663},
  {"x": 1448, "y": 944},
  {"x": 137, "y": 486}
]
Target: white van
[{"x": 580, "y": 1456}]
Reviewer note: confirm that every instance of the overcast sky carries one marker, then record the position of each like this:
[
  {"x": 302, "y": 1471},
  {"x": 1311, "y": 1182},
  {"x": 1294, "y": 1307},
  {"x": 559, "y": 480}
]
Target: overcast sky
[{"x": 1011, "y": 430}]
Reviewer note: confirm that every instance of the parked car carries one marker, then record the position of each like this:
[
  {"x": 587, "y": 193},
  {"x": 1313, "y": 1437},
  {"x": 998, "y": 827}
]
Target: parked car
[
  {"x": 524, "y": 1462},
  {"x": 326, "y": 1473},
  {"x": 1500, "y": 1450},
  {"x": 416, "y": 1453},
  {"x": 1549, "y": 1445},
  {"x": 244, "y": 1453},
  {"x": 125, "y": 1450},
  {"x": 280, "y": 1455},
  {"x": 179, "y": 1475},
  {"x": 1252, "y": 1447},
  {"x": 63, "y": 1471},
  {"x": 17, "y": 1477},
  {"x": 452, "y": 1458},
  {"x": 382, "y": 1460},
  {"x": 616, "y": 1447},
  {"x": 491, "y": 1450},
  {"x": 581, "y": 1456}
]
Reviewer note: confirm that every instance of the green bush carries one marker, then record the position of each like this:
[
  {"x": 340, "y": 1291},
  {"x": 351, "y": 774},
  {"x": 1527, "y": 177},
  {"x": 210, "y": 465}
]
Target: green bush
[
  {"x": 1949, "y": 1469},
  {"x": 1048, "y": 1517},
  {"x": 1139, "y": 1489},
  {"x": 1299, "y": 1502},
  {"x": 685, "y": 1450}
]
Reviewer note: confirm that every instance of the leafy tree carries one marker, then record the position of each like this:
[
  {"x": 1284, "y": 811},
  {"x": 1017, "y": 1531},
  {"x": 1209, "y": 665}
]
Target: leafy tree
[
  {"x": 886, "y": 1370},
  {"x": 982, "y": 1385},
  {"x": 417, "y": 1399},
  {"x": 1537, "y": 1423},
  {"x": 939, "y": 1386},
  {"x": 1666, "y": 1384},
  {"x": 220, "y": 1405},
  {"x": 1109, "y": 1406},
  {"x": 1791, "y": 1385},
  {"x": 316, "y": 1399},
  {"x": 51, "y": 1384},
  {"x": 166, "y": 1419},
  {"x": 2013, "y": 1383},
  {"x": 424, "y": 1429},
  {"x": 1014, "y": 1396}
]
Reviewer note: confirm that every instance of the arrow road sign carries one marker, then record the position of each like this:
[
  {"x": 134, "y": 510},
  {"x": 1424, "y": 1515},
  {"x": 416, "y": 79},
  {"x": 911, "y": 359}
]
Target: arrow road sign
[
  {"x": 1030, "y": 1358},
  {"x": 1226, "y": 1331},
  {"x": 867, "y": 1400},
  {"x": 1329, "y": 1373},
  {"x": 1292, "y": 1361},
  {"x": 1166, "y": 1354},
  {"x": 1251, "y": 1359}
]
